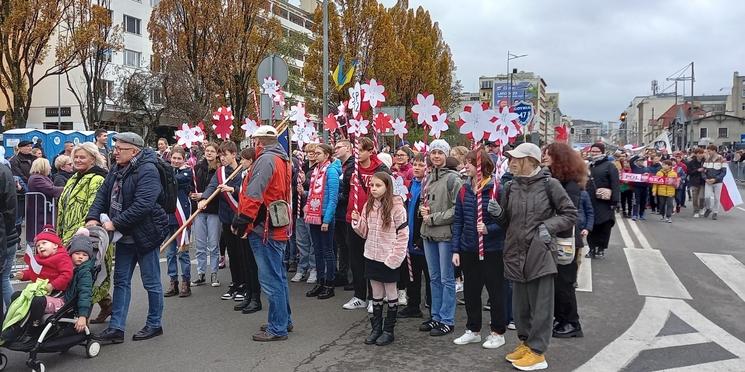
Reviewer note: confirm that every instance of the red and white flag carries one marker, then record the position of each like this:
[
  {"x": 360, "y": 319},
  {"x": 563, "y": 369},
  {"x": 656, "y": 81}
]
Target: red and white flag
[
  {"x": 181, "y": 218},
  {"x": 730, "y": 196}
]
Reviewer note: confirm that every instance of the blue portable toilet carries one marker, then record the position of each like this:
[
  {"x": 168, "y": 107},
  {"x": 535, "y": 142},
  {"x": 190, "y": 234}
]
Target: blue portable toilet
[
  {"x": 12, "y": 137},
  {"x": 54, "y": 143},
  {"x": 110, "y": 143},
  {"x": 77, "y": 137}
]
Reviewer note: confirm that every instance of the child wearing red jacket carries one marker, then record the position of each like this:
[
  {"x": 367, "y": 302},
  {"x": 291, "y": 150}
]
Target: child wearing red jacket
[{"x": 51, "y": 262}]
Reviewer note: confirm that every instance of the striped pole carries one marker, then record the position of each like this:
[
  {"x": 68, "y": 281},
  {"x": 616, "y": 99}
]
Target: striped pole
[
  {"x": 479, "y": 202},
  {"x": 355, "y": 174}
]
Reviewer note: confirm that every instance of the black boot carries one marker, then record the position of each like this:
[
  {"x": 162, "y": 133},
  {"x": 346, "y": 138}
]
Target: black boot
[
  {"x": 172, "y": 290},
  {"x": 376, "y": 321},
  {"x": 243, "y": 304},
  {"x": 255, "y": 304},
  {"x": 390, "y": 322},
  {"x": 316, "y": 290},
  {"x": 327, "y": 292}
]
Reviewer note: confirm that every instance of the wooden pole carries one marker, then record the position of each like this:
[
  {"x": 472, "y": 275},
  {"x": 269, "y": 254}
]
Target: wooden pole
[{"x": 194, "y": 215}]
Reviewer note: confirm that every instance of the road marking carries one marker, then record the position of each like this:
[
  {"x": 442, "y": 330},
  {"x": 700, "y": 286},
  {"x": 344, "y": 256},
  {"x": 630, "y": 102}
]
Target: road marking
[
  {"x": 741, "y": 208},
  {"x": 642, "y": 239},
  {"x": 653, "y": 276},
  {"x": 628, "y": 242},
  {"x": 584, "y": 274},
  {"x": 642, "y": 335},
  {"x": 728, "y": 269}
]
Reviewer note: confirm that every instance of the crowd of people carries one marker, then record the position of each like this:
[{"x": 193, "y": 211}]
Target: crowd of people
[{"x": 383, "y": 226}]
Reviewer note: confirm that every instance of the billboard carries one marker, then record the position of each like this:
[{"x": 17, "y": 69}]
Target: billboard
[{"x": 521, "y": 90}]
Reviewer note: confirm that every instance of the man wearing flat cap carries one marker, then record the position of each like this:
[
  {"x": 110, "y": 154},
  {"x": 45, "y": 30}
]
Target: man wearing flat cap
[
  {"x": 20, "y": 163},
  {"x": 129, "y": 197}
]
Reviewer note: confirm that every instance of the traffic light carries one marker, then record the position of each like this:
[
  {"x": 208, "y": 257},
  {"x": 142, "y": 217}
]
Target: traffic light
[{"x": 623, "y": 116}]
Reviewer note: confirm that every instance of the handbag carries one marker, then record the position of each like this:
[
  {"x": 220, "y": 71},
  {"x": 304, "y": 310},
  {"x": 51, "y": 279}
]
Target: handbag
[
  {"x": 565, "y": 250},
  {"x": 279, "y": 213}
]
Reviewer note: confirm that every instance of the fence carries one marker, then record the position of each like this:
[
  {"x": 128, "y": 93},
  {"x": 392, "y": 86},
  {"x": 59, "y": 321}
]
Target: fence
[
  {"x": 39, "y": 211},
  {"x": 738, "y": 170}
]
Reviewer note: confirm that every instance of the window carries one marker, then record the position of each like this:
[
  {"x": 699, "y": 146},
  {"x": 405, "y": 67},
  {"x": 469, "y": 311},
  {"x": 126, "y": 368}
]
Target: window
[
  {"x": 106, "y": 88},
  {"x": 587, "y": 132},
  {"x": 723, "y": 133},
  {"x": 486, "y": 84},
  {"x": 52, "y": 111},
  {"x": 743, "y": 106},
  {"x": 132, "y": 58},
  {"x": 157, "y": 96},
  {"x": 132, "y": 24},
  {"x": 65, "y": 125},
  {"x": 703, "y": 132}
]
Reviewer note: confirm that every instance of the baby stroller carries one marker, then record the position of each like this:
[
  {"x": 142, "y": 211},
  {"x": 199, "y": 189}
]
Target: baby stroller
[{"x": 55, "y": 333}]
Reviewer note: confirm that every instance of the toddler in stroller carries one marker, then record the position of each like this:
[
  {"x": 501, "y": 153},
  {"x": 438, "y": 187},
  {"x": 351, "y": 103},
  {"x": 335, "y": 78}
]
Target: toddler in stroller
[{"x": 27, "y": 329}]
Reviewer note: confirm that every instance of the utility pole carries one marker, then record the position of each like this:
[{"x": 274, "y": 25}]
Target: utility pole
[
  {"x": 685, "y": 126},
  {"x": 325, "y": 67}
]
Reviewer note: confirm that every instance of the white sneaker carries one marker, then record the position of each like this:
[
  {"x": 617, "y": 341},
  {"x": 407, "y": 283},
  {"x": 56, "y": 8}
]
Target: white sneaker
[
  {"x": 312, "y": 278},
  {"x": 696, "y": 215},
  {"x": 297, "y": 278},
  {"x": 493, "y": 341},
  {"x": 402, "y": 300},
  {"x": 512, "y": 326},
  {"x": 369, "y": 307},
  {"x": 468, "y": 338},
  {"x": 458, "y": 286},
  {"x": 355, "y": 303}
]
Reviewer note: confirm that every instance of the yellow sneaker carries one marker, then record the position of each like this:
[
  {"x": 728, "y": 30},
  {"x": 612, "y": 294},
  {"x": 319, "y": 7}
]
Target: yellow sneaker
[
  {"x": 531, "y": 362},
  {"x": 518, "y": 353}
]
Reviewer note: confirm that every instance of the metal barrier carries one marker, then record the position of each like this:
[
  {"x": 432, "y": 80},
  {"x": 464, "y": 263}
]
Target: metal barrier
[
  {"x": 738, "y": 170},
  {"x": 39, "y": 211}
]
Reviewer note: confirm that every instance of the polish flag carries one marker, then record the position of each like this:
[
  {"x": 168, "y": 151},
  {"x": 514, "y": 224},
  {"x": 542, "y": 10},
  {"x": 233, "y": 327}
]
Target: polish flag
[{"x": 730, "y": 196}]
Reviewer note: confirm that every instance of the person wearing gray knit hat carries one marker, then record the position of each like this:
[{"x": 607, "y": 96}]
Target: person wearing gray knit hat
[
  {"x": 440, "y": 144},
  {"x": 81, "y": 242}
]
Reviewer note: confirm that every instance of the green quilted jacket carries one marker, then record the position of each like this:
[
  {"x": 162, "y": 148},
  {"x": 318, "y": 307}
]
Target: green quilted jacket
[{"x": 75, "y": 201}]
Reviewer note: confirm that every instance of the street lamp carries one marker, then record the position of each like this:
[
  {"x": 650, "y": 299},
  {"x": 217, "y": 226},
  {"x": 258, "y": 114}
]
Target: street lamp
[{"x": 511, "y": 56}]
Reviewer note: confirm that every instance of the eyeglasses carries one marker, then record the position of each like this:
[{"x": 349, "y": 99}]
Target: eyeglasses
[{"x": 120, "y": 149}]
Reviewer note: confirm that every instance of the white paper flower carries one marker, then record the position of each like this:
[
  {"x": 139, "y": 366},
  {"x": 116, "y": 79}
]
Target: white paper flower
[
  {"x": 355, "y": 99},
  {"x": 304, "y": 133},
  {"x": 270, "y": 86},
  {"x": 476, "y": 121},
  {"x": 279, "y": 97},
  {"x": 373, "y": 93},
  {"x": 250, "y": 126},
  {"x": 358, "y": 126},
  {"x": 508, "y": 120},
  {"x": 425, "y": 108},
  {"x": 342, "y": 109},
  {"x": 297, "y": 113},
  {"x": 439, "y": 125},
  {"x": 186, "y": 136},
  {"x": 399, "y": 128},
  {"x": 499, "y": 135},
  {"x": 399, "y": 188}
]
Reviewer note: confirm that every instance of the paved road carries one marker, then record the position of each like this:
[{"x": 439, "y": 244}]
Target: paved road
[{"x": 654, "y": 305}]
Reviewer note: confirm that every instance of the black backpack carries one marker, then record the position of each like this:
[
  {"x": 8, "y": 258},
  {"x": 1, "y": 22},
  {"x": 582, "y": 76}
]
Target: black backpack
[{"x": 169, "y": 186}]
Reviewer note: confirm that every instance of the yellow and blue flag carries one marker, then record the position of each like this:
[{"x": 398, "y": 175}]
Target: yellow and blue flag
[{"x": 340, "y": 78}]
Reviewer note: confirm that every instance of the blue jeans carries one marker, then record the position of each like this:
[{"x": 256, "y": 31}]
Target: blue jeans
[
  {"x": 507, "y": 300},
  {"x": 207, "y": 228},
  {"x": 174, "y": 258},
  {"x": 442, "y": 280},
  {"x": 304, "y": 246},
  {"x": 640, "y": 201},
  {"x": 323, "y": 242},
  {"x": 6, "y": 269},
  {"x": 127, "y": 258},
  {"x": 273, "y": 280}
]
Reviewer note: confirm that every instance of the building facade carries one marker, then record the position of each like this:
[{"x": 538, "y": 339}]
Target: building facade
[
  {"x": 518, "y": 86},
  {"x": 720, "y": 129}
]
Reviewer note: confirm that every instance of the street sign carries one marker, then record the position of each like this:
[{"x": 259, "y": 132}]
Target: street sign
[
  {"x": 273, "y": 66},
  {"x": 266, "y": 108},
  {"x": 525, "y": 110}
]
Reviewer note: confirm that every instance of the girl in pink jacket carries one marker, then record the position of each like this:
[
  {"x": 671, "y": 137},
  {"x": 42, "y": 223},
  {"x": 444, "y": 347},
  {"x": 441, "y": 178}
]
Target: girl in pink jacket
[{"x": 383, "y": 223}]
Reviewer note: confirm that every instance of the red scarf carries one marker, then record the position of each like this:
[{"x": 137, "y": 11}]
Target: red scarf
[{"x": 314, "y": 206}]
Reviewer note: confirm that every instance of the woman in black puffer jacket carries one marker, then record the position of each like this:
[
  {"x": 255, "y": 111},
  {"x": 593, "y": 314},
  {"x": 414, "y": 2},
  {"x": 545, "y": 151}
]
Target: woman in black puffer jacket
[{"x": 606, "y": 195}]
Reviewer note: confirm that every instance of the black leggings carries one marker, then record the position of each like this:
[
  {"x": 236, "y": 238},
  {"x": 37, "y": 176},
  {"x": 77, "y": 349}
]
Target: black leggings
[
  {"x": 565, "y": 297},
  {"x": 627, "y": 201},
  {"x": 243, "y": 269},
  {"x": 600, "y": 236}
]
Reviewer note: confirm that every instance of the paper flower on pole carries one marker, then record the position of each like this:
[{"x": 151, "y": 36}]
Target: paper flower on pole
[
  {"x": 297, "y": 113},
  {"x": 270, "y": 86},
  {"x": 358, "y": 126},
  {"x": 279, "y": 97},
  {"x": 188, "y": 136},
  {"x": 439, "y": 125},
  {"x": 222, "y": 122},
  {"x": 250, "y": 126},
  {"x": 562, "y": 134},
  {"x": 399, "y": 128},
  {"x": 476, "y": 120},
  {"x": 425, "y": 108},
  {"x": 330, "y": 123},
  {"x": 374, "y": 93},
  {"x": 382, "y": 122},
  {"x": 304, "y": 133},
  {"x": 508, "y": 119},
  {"x": 199, "y": 131},
  {"x": 355, "y": 99},
  {"x": 420, "y": 146},
  {"x": 399, "y": 187},
  {"x": 342, "y": 109}
]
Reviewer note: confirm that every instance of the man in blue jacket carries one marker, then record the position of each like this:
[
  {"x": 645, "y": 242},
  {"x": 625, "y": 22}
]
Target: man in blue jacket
[{"x": 127, "y": 203}]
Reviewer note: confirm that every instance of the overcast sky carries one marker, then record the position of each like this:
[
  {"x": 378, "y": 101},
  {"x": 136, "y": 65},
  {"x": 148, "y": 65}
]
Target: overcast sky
[{"x": 597, "y": 54}]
